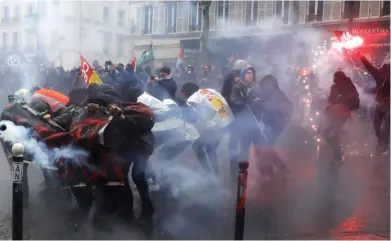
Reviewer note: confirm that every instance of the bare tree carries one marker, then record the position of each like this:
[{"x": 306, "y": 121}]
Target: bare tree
[{"x": 204, "y": 52}]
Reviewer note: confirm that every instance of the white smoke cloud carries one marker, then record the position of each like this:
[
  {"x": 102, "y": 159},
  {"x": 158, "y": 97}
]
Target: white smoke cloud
[
  {"x": 41, "y": 154},
  {"x": 279, "y": 46}
]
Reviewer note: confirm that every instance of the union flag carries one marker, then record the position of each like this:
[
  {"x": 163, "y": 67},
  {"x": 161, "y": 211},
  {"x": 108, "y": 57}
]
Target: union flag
[{"x": 89, "y": 75}]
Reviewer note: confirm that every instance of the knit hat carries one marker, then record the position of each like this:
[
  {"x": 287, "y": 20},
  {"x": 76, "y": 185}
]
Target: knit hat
[
  {"x": 244, "y": 70},
  {"x": 239, "y": 64}
]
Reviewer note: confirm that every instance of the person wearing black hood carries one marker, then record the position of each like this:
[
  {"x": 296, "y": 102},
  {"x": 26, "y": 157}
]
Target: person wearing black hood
[
  {"x": 110, "y": 70},
  {"x": 381, "y": 121},
  {"x": 274, "y": 109},
  {"x": 164, "y": 87},
  {"x": 343, "y": 99}
]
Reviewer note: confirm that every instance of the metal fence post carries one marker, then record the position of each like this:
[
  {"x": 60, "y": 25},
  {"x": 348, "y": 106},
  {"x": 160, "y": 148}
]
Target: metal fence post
[
  {"x": 17, "y": 191},
  {"x": 241, "y": 200}
]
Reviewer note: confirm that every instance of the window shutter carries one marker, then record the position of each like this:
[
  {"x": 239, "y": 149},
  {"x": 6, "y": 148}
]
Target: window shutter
[
  {"x": 374, "y": 8},
  {"x": 269, "y": 9},
  {"x": 302, "y": 12},
  {"x": 138, "y": 21},
  {"x": 161, "y": 19},
  {"x": 327, "y": 11},
  {"x": 180, "y": 17},
  {"x": 240, "y": 6},
  {"x": 261, "y": 10},
  {"x": 231, "y": 14},
  {"x": 155, "y": 20},
  {"x": 212, "y": 15},
  {"x": 364, "y": 9},
  {"x": 185, "y": 16},
  {"x": 336, "y": 10}
]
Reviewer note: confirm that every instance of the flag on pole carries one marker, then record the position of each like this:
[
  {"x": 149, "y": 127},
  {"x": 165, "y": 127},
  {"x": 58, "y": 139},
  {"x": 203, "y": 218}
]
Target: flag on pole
[
  {"x": 181, "y": 57},
  {"x": 146, "y": 56},
  {"x": 133, "y": 60},
  {"x": 89, "y": 76}
]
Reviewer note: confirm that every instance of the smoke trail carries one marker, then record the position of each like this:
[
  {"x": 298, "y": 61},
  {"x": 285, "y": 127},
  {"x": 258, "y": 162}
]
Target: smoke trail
[{"x": 41, "y": 154}]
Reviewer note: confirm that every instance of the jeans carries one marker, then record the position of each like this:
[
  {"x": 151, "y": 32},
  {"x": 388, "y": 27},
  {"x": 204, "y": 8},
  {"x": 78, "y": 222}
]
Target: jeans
[{"x": 205, "y": 148}]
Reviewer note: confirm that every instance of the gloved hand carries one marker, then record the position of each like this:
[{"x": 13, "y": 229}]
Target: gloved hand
[
  {"x": 115, "y": 110},
  {"x": 45, "y": 115},
  {"x": 92, "y": 107}
]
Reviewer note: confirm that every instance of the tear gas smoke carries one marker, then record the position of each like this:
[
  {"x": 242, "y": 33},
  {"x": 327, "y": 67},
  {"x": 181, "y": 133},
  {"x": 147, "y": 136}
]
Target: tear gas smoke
[
  {"x": 41, "y": 154},
  {"x": 279, "y": 48}
]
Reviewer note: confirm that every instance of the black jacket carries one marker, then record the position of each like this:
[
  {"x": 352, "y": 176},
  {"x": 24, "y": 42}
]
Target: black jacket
[
  {"x": 382, "y": 78},
  {"x": 163, "y": 89},
  {"x": 64, "y": 117}
]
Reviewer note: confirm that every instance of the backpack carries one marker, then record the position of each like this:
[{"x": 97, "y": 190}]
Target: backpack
[
  {"x": 141, "y": 114},
  {"x": 92, "y": 129}
]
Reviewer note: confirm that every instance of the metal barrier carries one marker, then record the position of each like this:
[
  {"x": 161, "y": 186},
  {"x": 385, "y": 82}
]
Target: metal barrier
[
  {"x": 241, "y": 200},
  {"x": 17, "y": 191}
]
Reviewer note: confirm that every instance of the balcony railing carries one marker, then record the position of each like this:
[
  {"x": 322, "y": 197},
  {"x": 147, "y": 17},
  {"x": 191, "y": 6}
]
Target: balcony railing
[
  {"x": 194, "y": 28},
  {"x": 314, "y": 18},
  {"x": 147, "y": 31}
]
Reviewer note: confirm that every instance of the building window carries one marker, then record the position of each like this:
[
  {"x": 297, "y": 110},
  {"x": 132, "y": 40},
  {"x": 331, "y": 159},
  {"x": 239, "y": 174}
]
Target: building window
[
  {"x": 105, "y": 14},
  {"x": 171, "y": 13},
  {"x": 6, "y": 17},
  {"x": 282, "y": 10},
  {"x": 121, "y": 17},
  {"x": 295, "y": 12},
  {"x": 15, "y": 39},
  {"x": 319, "y": 11},
  {"x": 351, "y": 8},
  {"x": 195, "y": 16},
  {"x": 223, "y": 9},
  {"x": 251, "y": 12},
  {"x": 147, "y": 14},
  {"x": 4, "y": 40},
  {"x": 30, "y": 8},
  {"x": 315, "y": 11},
  {"x": 385, "y": 11},
  {"x": 17, "y": 13}
]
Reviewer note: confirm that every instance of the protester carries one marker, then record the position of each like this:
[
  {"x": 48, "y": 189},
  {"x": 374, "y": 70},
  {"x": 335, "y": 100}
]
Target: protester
[
  {"x": 343, "y": 99},
  {"x": 164, "y": 86}
]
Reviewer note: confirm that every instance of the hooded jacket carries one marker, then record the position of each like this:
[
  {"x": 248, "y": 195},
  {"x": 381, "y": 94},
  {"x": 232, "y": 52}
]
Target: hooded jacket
[
  {"x": 343, "y": 97},
  {"x": 274, "y": 107},
  {"x": 163, "y": 89},
  {"x": 241, "y": 92}
]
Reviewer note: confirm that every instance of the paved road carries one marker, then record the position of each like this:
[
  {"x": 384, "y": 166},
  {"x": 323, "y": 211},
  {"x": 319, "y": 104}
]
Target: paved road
[{"x": 315, "y": 202}]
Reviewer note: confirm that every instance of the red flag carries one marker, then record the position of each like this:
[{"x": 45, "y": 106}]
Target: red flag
[
  {"x": 133, "y": 60},
  {"x": 181, "y": 57},
  {"x": 90, "y": 77}
]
